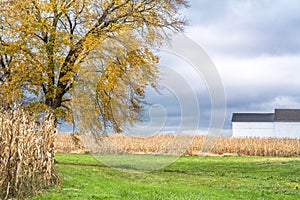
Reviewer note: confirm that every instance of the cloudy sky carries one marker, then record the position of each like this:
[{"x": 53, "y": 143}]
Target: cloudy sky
[{"x": 255, "y": 46}]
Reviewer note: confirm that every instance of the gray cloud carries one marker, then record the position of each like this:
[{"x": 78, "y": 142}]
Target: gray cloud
[
  {"x": 256, "y": 47},
  {"x": 246, "y": 28}
]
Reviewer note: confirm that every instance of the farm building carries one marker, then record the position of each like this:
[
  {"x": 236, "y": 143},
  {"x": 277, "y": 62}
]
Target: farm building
[{"x": 283, "y": 123}]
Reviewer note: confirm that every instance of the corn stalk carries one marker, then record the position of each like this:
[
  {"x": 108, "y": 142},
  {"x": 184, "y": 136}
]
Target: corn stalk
[{"x": 26, "y": 153}]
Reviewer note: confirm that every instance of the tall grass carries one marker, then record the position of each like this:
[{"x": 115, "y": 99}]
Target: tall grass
[{"x": 26, "y": 154}]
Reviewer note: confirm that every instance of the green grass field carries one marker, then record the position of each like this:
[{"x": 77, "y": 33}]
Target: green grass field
[{"x": 84, "y": 177}]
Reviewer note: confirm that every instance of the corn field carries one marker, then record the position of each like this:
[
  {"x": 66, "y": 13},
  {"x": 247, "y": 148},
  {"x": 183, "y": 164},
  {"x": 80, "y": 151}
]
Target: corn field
[
  {"x": 26, "y": 154},
  {"x": 172, "y": 144}
]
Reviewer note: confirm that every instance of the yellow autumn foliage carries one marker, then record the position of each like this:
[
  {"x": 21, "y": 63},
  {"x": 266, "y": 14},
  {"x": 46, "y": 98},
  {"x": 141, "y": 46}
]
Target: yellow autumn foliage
[{"x": 89, "y": 61}]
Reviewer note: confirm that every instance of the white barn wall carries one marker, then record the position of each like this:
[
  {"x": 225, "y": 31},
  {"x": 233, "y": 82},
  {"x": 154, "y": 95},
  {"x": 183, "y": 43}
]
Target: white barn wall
[
  {"x": 287, "y": 129},
  {"x": 253, "y": 129},
  {"x": 283, "y": 123}
]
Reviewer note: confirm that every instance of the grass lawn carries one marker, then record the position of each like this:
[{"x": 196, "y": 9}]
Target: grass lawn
[{"x": 84, "y": 177}]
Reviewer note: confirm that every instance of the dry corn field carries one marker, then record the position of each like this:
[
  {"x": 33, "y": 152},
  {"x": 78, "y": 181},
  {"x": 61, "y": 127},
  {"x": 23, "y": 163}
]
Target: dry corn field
[
  {"x": 174, "y": 145},
  {"x": 26, "y": 154}
]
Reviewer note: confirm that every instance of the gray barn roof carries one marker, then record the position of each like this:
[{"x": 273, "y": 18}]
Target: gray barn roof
[
  {"x": 252, "y": 117},
  {"x": 280, "y": 115},
  {"x": 287, "y": 115}
]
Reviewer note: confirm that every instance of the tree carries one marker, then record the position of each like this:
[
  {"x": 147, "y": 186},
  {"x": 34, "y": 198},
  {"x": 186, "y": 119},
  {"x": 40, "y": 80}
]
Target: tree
[{"x": 84, "y": 56}]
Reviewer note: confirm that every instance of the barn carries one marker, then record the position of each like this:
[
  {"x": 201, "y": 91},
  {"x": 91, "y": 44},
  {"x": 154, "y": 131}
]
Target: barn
[{"x": 283, "y": 123}]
